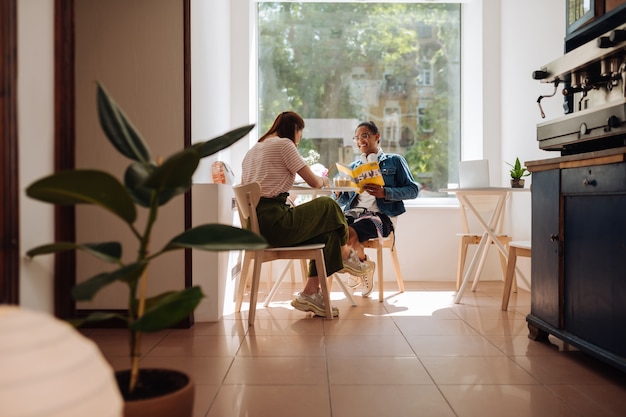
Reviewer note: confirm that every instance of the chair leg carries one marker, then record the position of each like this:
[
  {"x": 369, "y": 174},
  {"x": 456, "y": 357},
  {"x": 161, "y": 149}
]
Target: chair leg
[
  {"x": 254, "y": 291},
  {"x": 292, "y": 271},
  {"x": 508, "y": 278},
  {"x": 243, "y": 279},
  {"x": 304, "y": 270},
  {"x": 321, "y": 273},
  {"x": 396, "y": 268},
  {"x": 481, "y": 264},
  {"x": 461, "y": 265},
  {"x": 381, "y": 279}
]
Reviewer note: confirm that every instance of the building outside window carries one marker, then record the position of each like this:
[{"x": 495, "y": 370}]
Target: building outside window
[{"x": 396, "y": 64}]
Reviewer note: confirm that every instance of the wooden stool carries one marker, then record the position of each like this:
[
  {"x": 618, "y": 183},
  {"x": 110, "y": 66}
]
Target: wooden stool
[
  {"x": 389, "y": 243},
  {"x": 466, "y": 239},
  {"x": 516, "y": 248}
]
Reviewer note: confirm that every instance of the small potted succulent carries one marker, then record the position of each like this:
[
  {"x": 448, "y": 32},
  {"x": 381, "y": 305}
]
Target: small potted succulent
[
  {"x": 147, "y": 185},
  {"x": 518, "y": 172}
]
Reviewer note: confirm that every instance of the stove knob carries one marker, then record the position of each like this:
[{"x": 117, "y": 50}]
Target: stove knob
[
  {"x": 604, "y": 42},
  {"x": 583, "y": 129},
  {"x": 540, "y": 75},
  {"x": 617, "y": 36},
  {"x": 612, "y": 122}
]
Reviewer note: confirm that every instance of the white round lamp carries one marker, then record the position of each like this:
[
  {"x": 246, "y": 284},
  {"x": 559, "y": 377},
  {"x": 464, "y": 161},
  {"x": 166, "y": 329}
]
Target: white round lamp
[{"x": 47, "y": 368}]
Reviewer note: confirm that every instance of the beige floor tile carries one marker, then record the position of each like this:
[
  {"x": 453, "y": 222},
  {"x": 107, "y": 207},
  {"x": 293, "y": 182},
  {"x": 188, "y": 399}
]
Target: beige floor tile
[
  {"x": 388, "y": 400},
  {"x": 197, "y": 345},
  {"x": 475, "y": 370},
  {"x": 382, "y": 326},
  {"x": 594, "y": 400},
  {"x": 504, "y": 326},
  {"x": 204, "y": 396},
  {"x": 205, "y": 370},
  {"x": 505, "y": 400},
  {"x": 283, "y": 370},
  {"x": 463, "y": 345},
  {"x": 271, "y": 400},
  {"x": 431, "y": 326},
  {"x": 366, "y": 345},
  {"x": 304, "y": 325},
  {"x": 114, "y": 342},
  {"x": 377, "y": 370},
  {"x": 523, "y": 346},
  {"x": 477, "y": 313},
  {"x": 566, "y": 368},
  {"x": 282, "y": 345},
  {"x": 223, "y": 327}
]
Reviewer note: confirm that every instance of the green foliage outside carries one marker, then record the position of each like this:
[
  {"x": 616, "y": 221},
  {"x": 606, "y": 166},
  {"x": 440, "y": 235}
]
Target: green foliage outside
[{"x": 308, "y": 53}]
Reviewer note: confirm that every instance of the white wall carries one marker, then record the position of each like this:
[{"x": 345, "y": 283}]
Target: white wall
[
  {"x": 35, "y": 36},
  {"x": 516, "y": 38},
  {"x": 542, "y": 24}
]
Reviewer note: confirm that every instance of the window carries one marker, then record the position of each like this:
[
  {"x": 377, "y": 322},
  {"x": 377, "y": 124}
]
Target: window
[{"x": 396, "y": 64}]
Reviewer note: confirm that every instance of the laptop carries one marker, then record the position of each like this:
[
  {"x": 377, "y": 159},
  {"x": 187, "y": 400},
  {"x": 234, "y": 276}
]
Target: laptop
[{"x": 474, "y": 174}]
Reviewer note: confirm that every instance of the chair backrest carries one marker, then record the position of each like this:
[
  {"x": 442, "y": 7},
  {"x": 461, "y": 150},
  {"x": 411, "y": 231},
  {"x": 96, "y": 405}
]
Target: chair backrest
[{"x": 247, "y": 197}]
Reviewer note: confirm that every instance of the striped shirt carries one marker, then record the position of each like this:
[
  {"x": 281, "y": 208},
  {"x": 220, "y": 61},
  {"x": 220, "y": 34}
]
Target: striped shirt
[{"x": 272, "y": 163}]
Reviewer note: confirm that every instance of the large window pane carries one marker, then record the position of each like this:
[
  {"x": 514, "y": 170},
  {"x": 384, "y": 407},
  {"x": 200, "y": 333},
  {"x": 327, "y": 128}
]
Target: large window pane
[{"x": 337, "y": 64}]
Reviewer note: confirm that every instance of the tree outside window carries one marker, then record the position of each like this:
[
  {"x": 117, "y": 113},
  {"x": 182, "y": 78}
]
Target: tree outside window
[{"x": 396, "y": 64}]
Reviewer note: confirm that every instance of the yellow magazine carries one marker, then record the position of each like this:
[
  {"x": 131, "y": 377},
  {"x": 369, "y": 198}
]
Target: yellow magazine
[{"x": 368, "y": 173}]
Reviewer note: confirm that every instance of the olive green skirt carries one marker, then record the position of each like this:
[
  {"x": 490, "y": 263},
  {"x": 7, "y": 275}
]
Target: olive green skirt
[{"x": 317, "y": 221}]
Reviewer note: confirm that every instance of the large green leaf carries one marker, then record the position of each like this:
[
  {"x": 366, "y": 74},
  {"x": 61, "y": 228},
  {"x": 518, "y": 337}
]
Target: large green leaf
[
  {"x": 168, "y": 309},
  {"x": 175, "y": 172},
  {"x": 87, "y": 289},
  {"x": 85, "y": 187},
  {"x": 221, "y": 142},
  {"x": 107, "y": 251},
  {"x": 217, "y": 237},
  {"x": 119, "y": 130},
  {"x": 135, "y": 178}
]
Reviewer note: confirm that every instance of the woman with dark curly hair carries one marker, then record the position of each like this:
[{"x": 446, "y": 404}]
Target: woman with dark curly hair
[{"x": 372, "y": 214}]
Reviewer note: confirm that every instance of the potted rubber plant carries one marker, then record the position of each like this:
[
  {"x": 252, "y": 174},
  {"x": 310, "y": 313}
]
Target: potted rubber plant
[
  {"x": 517, "y": 173},
  {"x": 147, "y": 185}
]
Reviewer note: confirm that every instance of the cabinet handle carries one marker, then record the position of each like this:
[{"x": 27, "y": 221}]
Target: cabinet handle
[
  {"x": 554, "y": 237},
  {"x": 587, "y": 182}
]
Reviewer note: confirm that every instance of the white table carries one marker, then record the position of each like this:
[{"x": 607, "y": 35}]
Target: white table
[
  {"x": 488, "y": 225},
  {"x": 306, "y": 190}
]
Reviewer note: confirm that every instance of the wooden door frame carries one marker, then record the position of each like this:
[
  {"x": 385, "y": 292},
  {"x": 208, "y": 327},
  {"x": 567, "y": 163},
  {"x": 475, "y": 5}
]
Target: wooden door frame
[{"x": 9, "y": 182}]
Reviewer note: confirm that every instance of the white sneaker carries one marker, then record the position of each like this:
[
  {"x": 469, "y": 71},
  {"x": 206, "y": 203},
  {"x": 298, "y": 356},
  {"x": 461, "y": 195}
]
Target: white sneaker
[
  {"x": 353, "y": 266},
  {"x": 313, "y": 303}
]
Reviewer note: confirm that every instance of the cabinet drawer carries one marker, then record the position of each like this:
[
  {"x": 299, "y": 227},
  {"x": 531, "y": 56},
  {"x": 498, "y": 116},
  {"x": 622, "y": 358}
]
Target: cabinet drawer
[{"x": 609, "y": 178}]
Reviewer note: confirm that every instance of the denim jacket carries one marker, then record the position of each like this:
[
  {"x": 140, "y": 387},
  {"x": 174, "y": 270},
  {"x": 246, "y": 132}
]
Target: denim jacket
[{"x": 399, "y": 185}]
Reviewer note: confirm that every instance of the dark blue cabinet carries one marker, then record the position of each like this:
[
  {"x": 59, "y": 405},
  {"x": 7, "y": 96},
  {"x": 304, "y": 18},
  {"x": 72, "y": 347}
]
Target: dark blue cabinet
[{"x": 578, "y": 289}]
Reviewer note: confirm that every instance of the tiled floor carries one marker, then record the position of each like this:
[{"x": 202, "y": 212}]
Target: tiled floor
[{"x": 416, "y": 354}]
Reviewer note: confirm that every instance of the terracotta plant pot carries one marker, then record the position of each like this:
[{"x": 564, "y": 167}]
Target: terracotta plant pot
[
  {"x": 160, "y": 393},
  {"x": 517, "y": 183}
]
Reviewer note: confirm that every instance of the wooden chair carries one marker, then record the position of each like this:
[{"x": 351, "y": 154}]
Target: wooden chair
[
  {"x": 516, "y": 248},
  {"x": 467, "y": 237},
  {"x": 247, "y": 197},
  {"x": 388, "y": 242}
]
